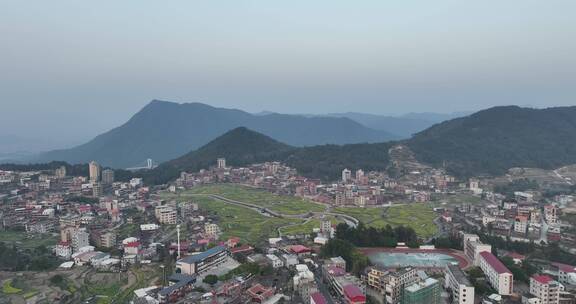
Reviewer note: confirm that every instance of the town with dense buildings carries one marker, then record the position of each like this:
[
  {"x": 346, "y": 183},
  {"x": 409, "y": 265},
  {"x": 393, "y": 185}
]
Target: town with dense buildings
[{"x": 264, "y": 234}]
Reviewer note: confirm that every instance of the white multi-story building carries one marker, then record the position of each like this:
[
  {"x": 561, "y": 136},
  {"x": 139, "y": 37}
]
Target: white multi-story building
[
  {"x": 359, "y": 174},
  {"x": 97, "y": 189},
  {"x": 221, "y": 163},
  {"x": 545, "y": 289},
  {"x": 275, "y": 261},
  {"x": 166, "y": 215},
  {"x": 94, "y": 169},
  {"x": 459, "y": 285},
  {"x": 326, "y": 228},
  {"x": 63, "y": 249},
  {"x": 567, "y": 274},
  {"x": 60, "y": 172},
  {"x": 551, "y": 214},
  {"x": 473, "y": 247},
  {"x": 108, "y": 239},
  {"x": 346, "y": 175},
  {"x": 360, "y": 201},
  {"x": 304, "y": 282},
  {"x": 497, "y": 274},
  {"x": 108, "y": 177},
  {"x": 202, "y": 262},
  {"x": 391, "y": 284},
  {"x": 211, "y": 229},
  {"x": 135, "y": 182},
  {"x": 80, "y": 238},
  {"x": 521, "y": 224}
]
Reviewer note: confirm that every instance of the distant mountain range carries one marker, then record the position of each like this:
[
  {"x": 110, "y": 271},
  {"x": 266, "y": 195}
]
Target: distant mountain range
[
  {"x": 486, "y": 143},
  {"x": 402, "y": 126},
  {"x": 165, "y": 130}
]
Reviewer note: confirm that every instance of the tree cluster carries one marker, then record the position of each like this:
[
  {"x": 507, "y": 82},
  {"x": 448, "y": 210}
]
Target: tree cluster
[
  {"x": 523, "y": 184},
  {"x": 363, "y": 236},
  {"x": 37, "y": 259},
  {"x": 355, "y": 261}
]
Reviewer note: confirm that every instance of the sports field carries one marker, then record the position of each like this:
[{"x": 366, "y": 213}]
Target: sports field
[{"x": 418, "y": 216}]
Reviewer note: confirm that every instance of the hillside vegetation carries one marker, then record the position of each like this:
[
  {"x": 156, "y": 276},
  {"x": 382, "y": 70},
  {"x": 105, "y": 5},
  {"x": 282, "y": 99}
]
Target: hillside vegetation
[{"x": 495, "y": 140}]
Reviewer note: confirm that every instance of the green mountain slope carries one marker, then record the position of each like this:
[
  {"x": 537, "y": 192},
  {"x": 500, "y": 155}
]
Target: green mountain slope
[
  {"x": 166, "y": 130},
  {"x": 242, "y": 146},
  {"x": 494, "y": 140},
  {"x": 488, "y": 142}
]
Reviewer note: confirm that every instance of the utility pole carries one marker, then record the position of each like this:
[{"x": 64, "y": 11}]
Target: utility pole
[
  {"x": 178, "y": 232},
  {"x": 163, "y": 275}
]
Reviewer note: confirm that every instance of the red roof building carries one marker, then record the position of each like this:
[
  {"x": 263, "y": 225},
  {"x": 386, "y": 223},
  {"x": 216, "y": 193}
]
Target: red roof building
[
  {"x": 498, "y": 275},
  {"x": 300, "y": 249},
  {"x": 317, "y": 298},
  {"x": 354, "y": 295},
  {"x": 494, "y": 262},
  {"x": 542, "y": 279},
  {"x": 132, "y": 245},
  {"x": 259, "y": 293},
  {"x": 565, "y": 268},
  {"x": 242, "y": 249}
]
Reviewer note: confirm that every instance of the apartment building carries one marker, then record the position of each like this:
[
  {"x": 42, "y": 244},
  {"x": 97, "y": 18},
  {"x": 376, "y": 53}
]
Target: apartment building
[
  {"x": 166, "y": 215},
  {"x": 521, "y": 224},
  {"x": 457, "y": 283},
  {"x": 545, "y": 289},
  {"x": 108, "y": 240},
  {"x": 211, "y": 230},
  {"x": 423, "y": 292},
  {"x": 499, "y": 277},
  {"x": 204, "y": 261},
  {"x": 473, "y": 247},
  {"x": 551, "y": 214},
  {"x": 392, "y": 283},
  {"x": 80, "y": 238},
  {"x": 275, "y": 261}
]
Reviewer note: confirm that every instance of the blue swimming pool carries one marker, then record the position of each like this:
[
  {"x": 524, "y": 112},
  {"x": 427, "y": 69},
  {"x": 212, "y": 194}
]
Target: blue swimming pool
[{"x": 415, "y": 259}]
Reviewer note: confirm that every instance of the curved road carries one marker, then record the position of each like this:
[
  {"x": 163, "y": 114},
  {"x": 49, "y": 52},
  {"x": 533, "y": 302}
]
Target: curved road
[{"x": 351, "y": 221}]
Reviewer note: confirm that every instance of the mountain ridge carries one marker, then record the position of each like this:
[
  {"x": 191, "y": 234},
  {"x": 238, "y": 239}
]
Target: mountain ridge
[
  {"x": 488, "y": 142},
  {"x": 494, "y": 140},
  {"x": 164, "y": 130}
]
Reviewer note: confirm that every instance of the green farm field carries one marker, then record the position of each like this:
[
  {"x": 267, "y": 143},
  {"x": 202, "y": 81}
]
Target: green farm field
[
  {"x": 283, "y": 204},
  {"x": 249, "y": 225},
  {"x": 28, "y": 241},
  {"x": 419, "y": 217}
]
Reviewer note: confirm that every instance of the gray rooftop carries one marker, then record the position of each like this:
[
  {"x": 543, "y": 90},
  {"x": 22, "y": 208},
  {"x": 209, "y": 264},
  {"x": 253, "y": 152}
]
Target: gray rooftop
[
  {"x": 460, "y": 276},
  {"x": 201, "y": 256},
  {"x": 180, "y": 280}
]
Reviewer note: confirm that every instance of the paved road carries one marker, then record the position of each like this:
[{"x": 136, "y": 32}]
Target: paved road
[
  {"x": 562, "y": 178},
  {"x": 351, "y": 221}
]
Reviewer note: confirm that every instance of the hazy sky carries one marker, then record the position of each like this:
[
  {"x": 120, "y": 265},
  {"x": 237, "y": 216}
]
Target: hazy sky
[{"x": 72, "y": 69}]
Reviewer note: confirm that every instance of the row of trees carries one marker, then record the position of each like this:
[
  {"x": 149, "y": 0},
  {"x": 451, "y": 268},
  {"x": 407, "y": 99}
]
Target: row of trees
[
  {"x": 507, "y": 244},
  {"x": 363, "y": 236}
]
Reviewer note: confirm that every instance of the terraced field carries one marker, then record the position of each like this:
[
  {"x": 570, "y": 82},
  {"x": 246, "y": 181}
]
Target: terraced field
[
  {"x": 418, "y": 216},
  {"x": 247, "y": 224},
  {"x": 283, "y": 204}
]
